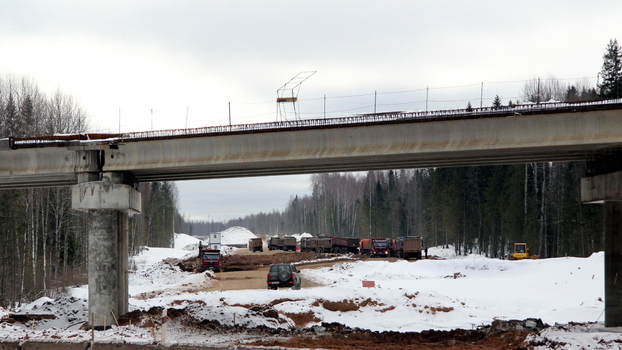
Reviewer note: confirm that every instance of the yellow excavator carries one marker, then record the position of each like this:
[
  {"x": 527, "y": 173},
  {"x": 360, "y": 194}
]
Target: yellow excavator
[{"x": 521, "y": 251}]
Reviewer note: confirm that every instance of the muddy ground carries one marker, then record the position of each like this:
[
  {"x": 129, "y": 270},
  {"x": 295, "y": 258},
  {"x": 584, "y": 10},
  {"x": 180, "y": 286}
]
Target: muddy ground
[
  {"x": 501, "y": 335},
  {"x": 248, "y": 271}
]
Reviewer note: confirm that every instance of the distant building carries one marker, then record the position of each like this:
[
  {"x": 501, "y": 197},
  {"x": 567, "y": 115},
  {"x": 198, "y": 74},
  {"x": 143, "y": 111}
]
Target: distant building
[{"x": 214, "y": 240}]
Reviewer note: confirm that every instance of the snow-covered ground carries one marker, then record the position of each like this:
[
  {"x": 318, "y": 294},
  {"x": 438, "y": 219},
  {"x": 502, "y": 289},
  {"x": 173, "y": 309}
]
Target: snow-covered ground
[{"x": 458, "y": 292}]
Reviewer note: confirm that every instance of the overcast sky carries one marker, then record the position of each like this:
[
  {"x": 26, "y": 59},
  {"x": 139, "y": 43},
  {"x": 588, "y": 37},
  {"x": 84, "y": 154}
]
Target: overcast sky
[{"x": 143, "y": 65}]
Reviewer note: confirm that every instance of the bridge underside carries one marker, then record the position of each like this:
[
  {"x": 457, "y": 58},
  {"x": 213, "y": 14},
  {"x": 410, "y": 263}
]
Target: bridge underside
[{"x": 346, "y": 164}]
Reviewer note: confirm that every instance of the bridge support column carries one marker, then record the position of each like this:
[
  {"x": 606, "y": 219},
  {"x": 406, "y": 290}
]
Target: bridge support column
[
  {"x": 613, "y": 264},
  {"x": 607, "y": 189},
  {"x": 109, "y": 203}
]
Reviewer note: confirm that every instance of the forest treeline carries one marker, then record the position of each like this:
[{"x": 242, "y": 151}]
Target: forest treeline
[{"x": 43, "y": 241}]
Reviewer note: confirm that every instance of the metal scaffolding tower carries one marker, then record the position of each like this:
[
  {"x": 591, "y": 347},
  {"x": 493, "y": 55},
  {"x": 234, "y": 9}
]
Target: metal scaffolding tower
[{"x": 289, "y": 93}]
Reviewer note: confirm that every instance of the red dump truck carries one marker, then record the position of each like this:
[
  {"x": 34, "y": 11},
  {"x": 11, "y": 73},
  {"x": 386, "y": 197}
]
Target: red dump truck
[
  {"x": 381, "y": 247},
  {"x": 209, "y": 259}
]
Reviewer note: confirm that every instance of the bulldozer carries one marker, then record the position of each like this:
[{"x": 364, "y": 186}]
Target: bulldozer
[{"x": 521, "y": 251}]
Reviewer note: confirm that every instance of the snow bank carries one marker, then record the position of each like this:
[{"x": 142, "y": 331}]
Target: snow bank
[
  {"x": 236, "y": 235},
  {"x": 186, "y": 242},
  {"x": 300, "y": 235}
]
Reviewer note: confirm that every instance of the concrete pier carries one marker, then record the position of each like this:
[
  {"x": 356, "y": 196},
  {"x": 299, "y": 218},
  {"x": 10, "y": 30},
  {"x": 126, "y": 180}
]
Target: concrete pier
[
  {"x": 607, "y": 189},
  {"x": 613, "y": 264},
  {"x": 109, "y": 204}
]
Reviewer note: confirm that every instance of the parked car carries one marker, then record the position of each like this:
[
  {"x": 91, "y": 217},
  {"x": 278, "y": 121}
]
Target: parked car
[{"x": 283, "y": 275}]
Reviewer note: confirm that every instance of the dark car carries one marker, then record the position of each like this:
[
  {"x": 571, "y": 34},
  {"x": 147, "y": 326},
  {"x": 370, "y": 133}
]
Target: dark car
[{"x": 283, "y": 275}]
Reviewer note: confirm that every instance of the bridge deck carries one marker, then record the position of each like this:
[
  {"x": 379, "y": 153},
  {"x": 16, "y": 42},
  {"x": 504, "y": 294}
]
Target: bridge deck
[{"x": 535, "y": 133}]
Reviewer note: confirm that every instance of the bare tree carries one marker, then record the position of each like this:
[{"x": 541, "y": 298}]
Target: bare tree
[{"x": 539, "y": 90}]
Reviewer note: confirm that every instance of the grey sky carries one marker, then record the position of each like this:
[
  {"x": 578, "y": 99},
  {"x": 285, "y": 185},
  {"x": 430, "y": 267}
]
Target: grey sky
[{"x": 138, "y": 65}]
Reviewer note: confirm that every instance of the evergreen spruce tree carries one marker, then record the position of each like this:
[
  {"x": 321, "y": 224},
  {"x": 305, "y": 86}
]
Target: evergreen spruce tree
[
  {"x": 588, "y": 95},
  {"x": 469, "y": 108},
  {"x": 572, "y": 94},
  {"x": 611, "y": 73},
  {"x": 496, "y": 103}
]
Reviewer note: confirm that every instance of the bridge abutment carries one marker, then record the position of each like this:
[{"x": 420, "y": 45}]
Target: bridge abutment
[
  {"x": 607, "y": 189},
  {"x": 109, "y": 203}
]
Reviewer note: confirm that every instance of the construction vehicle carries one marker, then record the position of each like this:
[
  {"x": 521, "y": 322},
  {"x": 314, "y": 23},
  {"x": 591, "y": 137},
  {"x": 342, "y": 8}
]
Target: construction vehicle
[
  {"x": 209, "y": 259},
  {"x": 412, "y": 247},
  {"x": 520, "y": 252},
  {"x": 308, "y": 244},
  {"x": 289, "y": 243},
  {"x": 365, "y": 246},
  {"x": 315, "y": 244},
  {"x": 275, "y": 243},
  {"x": 343, "y": 245},
  {"x": 381, "y": 247},
  {"x": 324, "y": 244},
  {"x": 397, "y": 247},
  {"x": 255, "y": 245}
]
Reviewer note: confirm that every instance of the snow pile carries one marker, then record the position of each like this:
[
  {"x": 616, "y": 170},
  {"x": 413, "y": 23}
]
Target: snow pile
[
  {"x": 236, "y": 235},
  {"x": 299, "y": 236},
  {"x": 577, "y": 336},
  {"x": 465, "y": 292},
  {"x": 155, "y": 274},
  {"x": 66, "y": 313},
  {"x": 165, "y": 278},
  {"x": 445, "y": 253},
  {"x": 186, "y": 242}
]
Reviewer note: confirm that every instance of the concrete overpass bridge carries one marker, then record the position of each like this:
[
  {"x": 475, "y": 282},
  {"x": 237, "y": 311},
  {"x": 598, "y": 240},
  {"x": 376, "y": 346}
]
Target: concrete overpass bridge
[{"x": 103, "y": 169}]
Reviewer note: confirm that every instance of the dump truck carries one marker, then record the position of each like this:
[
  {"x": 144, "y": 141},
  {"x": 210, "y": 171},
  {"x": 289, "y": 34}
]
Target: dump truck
[
  {"x": 397, "y": 247},
  {"x": 275, "y": 243},
  {"x": 289, "y": 243},
  {"x": 521, "y": 251},
  {"x": 344, "y": 245},
  {"x": 365, "y": 246},
  {"x": 209, "y": 259},
  {"x": 324, "y": 244},
  {"x": 412, "y": 247},
  {"x": 308, "y": 244},
  {"x": 255, "y": 245},
  {"x": 381, "y": 247}
]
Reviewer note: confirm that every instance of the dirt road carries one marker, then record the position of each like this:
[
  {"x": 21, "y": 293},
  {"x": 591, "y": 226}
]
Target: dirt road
[{"x": 256, "y": 279}]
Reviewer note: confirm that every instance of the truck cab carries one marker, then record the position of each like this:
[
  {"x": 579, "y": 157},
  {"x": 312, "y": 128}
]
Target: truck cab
[
  {"x": 380, "y": 247},
  {"x": 209, "y": 258}
]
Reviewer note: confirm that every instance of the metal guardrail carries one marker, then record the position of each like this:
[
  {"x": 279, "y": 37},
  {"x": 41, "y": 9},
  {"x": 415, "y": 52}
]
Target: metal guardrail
[{"x": 362, "y": 119}]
